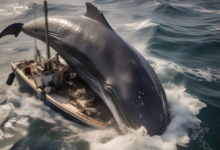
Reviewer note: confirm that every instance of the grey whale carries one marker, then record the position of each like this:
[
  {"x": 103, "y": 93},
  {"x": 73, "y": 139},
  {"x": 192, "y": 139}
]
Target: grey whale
[{"x": 117, "y": 72}]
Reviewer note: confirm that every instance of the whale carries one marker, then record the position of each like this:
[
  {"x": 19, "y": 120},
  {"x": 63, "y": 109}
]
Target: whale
[{"x": 114, "y": 69}]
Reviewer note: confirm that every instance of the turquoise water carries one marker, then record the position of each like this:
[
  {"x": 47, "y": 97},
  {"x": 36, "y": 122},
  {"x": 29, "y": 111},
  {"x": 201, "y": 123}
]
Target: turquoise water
[{"x": 180, "y": 39}]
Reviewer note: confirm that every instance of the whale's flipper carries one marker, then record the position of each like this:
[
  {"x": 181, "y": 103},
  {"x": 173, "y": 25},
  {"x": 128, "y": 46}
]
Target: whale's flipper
[
  {"x": 95, "y": 14},
  {"x": 13, "y": 29}
]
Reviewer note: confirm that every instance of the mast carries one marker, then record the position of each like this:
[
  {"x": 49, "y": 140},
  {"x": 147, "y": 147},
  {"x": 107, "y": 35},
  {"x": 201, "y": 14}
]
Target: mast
[
  {"x": 35, "y": 40},
  {"x": 46, "y": 30}
]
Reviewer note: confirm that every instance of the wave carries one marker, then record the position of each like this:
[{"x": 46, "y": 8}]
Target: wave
[
  {"x": 176, "y": 11},
  {"x": 136, "y": 26},
  {"x": 12, "y": 128},
  {"x": 169, "y": 37},
  {"x": 16, "y": 9},
  {"x": 195, "y": 46},
  {"x": 203, "y": 10},
  {"x": 165, "y": 68}
]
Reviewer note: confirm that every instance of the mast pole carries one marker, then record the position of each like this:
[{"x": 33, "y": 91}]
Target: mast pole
[
  {"x": 46, "y": 30},
  {"x": 35, "y": 41}
]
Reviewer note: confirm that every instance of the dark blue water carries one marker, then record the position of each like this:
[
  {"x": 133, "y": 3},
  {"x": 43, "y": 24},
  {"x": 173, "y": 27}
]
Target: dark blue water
[{"x": 179, "y": 38}]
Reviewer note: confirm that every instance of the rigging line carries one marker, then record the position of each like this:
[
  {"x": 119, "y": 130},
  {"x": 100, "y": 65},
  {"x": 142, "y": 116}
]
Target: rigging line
[{"x": 35, "y": 40}]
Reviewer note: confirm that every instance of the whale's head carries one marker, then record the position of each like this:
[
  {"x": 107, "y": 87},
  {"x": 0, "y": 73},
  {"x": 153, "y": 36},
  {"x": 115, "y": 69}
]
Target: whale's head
[{"x": 35, "y": 29}]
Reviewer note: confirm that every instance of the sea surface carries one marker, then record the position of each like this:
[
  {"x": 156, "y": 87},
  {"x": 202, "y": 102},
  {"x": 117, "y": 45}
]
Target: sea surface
[{"x": 179, "y": 38}]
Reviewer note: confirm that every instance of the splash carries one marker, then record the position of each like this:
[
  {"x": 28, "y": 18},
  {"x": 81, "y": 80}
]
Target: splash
[
  {"x": 30, "y": 106},
  {"x": 183, "y": 109},
  {"x": 138, "y": 25}
]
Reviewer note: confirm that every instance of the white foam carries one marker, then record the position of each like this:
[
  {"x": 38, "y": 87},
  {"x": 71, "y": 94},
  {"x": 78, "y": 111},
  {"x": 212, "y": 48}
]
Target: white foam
[
  {"x": 203, "y": 10},
  {"x": 174, "y": 4},
  {"x": 156, "y": 2},
  {"x": 29, "y": 106},
  {"x": 183, "y": 108},
  {"x": 14, "y": 9},
  {"x": 166, "y": 68},
  {"x": 11, "y": 123},
  {"x": 135, "y": 139},
  {"x": 135, "y": 26},
  {"x": 181, "y": 4},
  {"x": 34, "y": 108},
  {"x": 214, "y": 28}
]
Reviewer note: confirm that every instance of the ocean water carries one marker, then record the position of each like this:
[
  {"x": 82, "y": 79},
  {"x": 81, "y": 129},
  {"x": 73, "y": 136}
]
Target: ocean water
[{"x": 179, "y": 38}]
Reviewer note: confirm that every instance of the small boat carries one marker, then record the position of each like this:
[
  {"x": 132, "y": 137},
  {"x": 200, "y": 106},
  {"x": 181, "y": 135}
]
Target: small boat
[{"x": 58, "y": 86}]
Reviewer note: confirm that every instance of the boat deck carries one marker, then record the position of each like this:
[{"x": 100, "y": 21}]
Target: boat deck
[{"x": 74, "y": 97}]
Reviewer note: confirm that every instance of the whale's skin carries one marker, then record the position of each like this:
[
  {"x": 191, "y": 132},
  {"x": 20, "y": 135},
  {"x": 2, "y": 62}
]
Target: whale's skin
[{"x": 115, "y": 70}]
